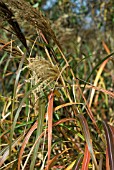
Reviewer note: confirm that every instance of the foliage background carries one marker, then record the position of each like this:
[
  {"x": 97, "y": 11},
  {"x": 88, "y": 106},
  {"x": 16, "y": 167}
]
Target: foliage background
[{"x": 84, "y": 30}]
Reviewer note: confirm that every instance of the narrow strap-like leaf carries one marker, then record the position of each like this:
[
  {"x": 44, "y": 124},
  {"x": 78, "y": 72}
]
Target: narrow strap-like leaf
[{"x": 110, "y": 143}]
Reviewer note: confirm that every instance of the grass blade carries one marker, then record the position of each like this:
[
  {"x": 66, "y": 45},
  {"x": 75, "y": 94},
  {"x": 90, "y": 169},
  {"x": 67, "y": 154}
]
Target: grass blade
[
  {"x": 17, "y": 114},
  {"x": 107, "y": 160},
  {"x": 87, "y": 137},
  {"x": 39, "y": 131},
  {"x": 6, "y": 152},
  {"x": 86, "y": 159},
  {"x": 25, "y": 142},
  {"x": 93, "y": 70},
  {"x": 78, "y": 162},
  {"x": 110, "y": 143},
  {"x": 99, "y": 73},
  {"x": 50, "y": 116}
]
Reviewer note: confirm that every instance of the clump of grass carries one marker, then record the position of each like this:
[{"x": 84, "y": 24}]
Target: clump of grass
[{"x": 74, "y": 140}]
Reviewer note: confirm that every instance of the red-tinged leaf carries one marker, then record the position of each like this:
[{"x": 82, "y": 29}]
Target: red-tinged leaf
[
  {"x": 107, "y": 160},
  {"x": 110, "y": 143},
  {"x": 87, "y": 138},
  {"x": 25, "y": 142},
  {"x": 50, "y": 117},
  {"x": 86, "y": 159}
]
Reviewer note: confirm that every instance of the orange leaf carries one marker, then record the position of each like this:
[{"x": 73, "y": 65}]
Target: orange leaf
[
  {"x": 25, "y": 142},
  {"x": 107, "y": 160},
  {"x": 50, "y": 117},
  {"x": 106, "y": 47},
  {"x": 86, "y": 159}
]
